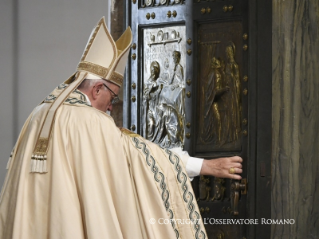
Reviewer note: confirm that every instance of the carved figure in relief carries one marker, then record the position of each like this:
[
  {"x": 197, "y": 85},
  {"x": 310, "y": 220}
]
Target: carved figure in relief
[
  {"x": 178, "y": 75},
  {"x": 164, "y": 105},
  {"x": 232, "y": 98},
  {"x": 169, "y": 131},
  {"x": 204, "y": 188},
  {"x": 150, "y": 97},
  {"x": 213, "y": 89},
  {"x": 219, "y": 189},
  {"x": 166, "y": 64},
  {"x": 221, "y": 92}
]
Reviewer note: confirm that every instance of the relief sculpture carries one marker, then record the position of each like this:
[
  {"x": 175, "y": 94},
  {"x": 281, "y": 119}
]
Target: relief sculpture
[
  {"x": 221, "y": 94},
  {"x": 214, "y": 90},
  {"x": 233, "y": 108},
  {"x": 220, "y": 108},
  {"x": 164, "y": 91},
  {"x": 150, "y": 100}
]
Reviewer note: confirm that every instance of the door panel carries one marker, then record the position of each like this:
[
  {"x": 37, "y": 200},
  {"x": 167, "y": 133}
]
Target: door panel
[
  {"x": 188, "y": 87},
  {"x": 220, "y": 70},
  {"x": 163, "y": 96}
]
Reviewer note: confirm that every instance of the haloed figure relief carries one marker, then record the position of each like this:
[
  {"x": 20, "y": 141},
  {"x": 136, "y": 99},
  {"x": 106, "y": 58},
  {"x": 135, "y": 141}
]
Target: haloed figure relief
[
  {"x": 164, "y": 91},
  {"x": 220, "y": 92}
]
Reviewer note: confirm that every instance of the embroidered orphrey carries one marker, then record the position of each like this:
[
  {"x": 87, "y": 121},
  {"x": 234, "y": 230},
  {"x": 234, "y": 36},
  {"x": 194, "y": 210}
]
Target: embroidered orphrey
[
  {"x": 94, "y": 68},
  {"x": 159, "y": 178}
]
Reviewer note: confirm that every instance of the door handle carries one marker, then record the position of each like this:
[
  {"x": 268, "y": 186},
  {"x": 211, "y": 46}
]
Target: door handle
[{"x": 235, "y": 188}]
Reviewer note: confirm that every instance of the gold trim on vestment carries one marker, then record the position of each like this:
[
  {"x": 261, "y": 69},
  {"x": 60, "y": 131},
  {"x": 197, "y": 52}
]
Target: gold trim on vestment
[
  {"x": 71, "y": 79},
  {"x": 41, "y": 146},
  {"x": 39, "y": 156}
]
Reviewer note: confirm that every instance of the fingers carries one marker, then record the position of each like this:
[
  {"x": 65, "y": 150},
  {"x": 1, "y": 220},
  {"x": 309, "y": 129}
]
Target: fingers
[
  {"x": 228, "y": 167},
  {"x": 236, "y": 159},
  {"x": 238, "y": 170},
  {"x": 237, "y": 165},
  {"x": 235, "y": 176}
]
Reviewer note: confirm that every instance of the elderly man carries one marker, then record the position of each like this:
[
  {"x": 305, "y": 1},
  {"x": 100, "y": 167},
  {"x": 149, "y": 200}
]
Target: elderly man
[{"x": 74, "y": 174}]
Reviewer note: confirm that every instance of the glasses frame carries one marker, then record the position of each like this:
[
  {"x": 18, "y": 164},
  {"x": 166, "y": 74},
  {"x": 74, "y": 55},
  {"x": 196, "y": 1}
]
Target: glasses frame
[{"x": 116, "y": 98}]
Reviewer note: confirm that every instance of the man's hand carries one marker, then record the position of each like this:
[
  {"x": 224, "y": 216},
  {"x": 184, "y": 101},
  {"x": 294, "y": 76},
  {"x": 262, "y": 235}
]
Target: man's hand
[{"x": 220, "y": 167}]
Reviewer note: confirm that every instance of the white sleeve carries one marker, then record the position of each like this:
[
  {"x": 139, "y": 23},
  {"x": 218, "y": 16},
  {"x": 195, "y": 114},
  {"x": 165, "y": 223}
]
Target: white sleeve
[{"x": 193, "y": 165}]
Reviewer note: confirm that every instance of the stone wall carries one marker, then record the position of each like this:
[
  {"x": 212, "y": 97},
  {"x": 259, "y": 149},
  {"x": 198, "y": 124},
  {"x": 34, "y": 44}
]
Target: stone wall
[
  {"x": 295, "y": 157},
  {"x": 117, "y": 28}
]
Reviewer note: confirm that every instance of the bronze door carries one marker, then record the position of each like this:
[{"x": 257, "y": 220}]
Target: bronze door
[{"x": 192, "y": 84}]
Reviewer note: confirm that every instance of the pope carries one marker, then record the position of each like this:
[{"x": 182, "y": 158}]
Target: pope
[{"x": 74, "y": 174}]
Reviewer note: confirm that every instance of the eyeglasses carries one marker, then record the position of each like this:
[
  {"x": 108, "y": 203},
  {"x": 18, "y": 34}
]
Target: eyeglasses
[{"x": 115, "y": 96}]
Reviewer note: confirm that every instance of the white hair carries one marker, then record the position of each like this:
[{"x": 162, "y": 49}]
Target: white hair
[{"x": 88, "y": 83}]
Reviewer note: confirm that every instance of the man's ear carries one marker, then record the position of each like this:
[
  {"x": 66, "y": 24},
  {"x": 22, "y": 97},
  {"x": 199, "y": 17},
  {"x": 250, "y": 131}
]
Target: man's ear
[{"x": 96, "y": 90}]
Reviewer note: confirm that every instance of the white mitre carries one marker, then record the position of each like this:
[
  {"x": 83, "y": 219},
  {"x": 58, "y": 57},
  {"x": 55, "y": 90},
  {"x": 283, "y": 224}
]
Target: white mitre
[
  {"x": 105, "y": 58},
  {"x": 102, "y": 58}
]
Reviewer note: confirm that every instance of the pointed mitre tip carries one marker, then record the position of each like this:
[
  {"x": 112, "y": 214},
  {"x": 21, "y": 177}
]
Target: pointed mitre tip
[
  {"x": 128, "y": 32},
  {"x": 102, "y": 22},
  {"x": 102, "y": 19},
  {"x": 129, "y": 29}
]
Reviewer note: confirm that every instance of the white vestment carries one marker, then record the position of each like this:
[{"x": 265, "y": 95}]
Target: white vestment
[{"x": 102, "y": 182}]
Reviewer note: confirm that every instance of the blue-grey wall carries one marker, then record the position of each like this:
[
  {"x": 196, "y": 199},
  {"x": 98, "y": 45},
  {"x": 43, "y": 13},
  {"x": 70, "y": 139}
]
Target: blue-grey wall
[{"x": 41, "y": 43}]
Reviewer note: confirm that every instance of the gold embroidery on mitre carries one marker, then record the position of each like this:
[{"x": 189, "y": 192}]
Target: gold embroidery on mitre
[
  {"x": 91, "y": 40},
  {"x": 97, "y": 28},
  {"x": 93, "y": 68},
  {"x": 116, "y": 78}
]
